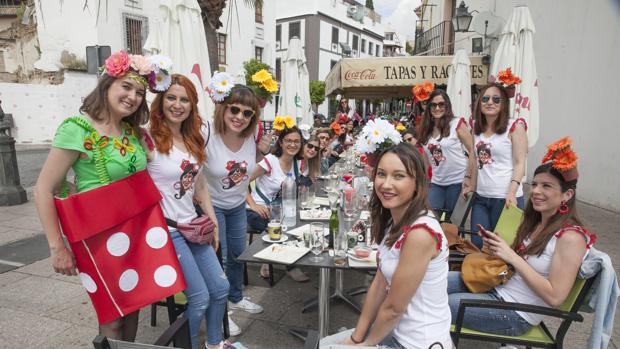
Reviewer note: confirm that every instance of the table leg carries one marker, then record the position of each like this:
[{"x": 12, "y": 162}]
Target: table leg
[
  {"x": 323, "y": 302},
  {"x": 339, "y": 293}
]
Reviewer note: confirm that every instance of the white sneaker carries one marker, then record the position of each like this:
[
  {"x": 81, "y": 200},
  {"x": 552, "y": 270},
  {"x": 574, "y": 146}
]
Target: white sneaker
[
  {"x": 246, "y": 305},
  {"x": 233, "y": 328},
  {"x": 507, "y": 347}
]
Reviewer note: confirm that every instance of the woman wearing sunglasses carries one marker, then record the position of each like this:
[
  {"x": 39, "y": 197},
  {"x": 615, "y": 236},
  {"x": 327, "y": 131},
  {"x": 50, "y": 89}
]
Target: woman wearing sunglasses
[
  {"x": 232, "y": 153},
  {"x": 310, "y": 164},
  {"x": 501, "y": 148},
  {"x": 445, "y": 138}
]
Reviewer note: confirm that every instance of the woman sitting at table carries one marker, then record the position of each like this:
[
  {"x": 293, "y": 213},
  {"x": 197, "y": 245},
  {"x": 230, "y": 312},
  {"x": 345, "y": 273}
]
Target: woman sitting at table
[
  {"x": 310, "y": 166},
  {"x": 269, "y": 175},
  {"x": 407, "y": 303},
  {"x": 550, "y": 245}
]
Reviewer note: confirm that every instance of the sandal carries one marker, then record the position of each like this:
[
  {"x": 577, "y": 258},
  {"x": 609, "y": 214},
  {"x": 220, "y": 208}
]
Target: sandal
[
  {"x": 298, "y": 275},
  {"x": 264, "y": 271}
]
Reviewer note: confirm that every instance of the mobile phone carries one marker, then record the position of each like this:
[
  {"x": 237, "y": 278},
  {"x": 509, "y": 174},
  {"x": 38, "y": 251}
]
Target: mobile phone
[{"x": 484, "y": 232}]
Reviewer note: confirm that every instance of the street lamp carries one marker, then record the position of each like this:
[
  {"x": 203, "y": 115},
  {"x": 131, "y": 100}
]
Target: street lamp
[{"x": 462, "y": 18}]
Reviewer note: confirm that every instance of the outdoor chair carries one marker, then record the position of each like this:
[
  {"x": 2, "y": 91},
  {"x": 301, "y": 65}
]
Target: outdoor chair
[
  {"x": 538, "y": 336},
  {"x": 177, "y": 334}
]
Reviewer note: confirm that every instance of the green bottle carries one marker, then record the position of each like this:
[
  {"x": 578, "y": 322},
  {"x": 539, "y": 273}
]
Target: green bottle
[{"x": 333, "y": 227}]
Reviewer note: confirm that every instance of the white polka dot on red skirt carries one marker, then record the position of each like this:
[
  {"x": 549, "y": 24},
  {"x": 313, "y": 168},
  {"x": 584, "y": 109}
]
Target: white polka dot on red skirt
[
  {"x": 128, "y": 280},
  {"x": 118, "y": 244},
  {"x": 88, "y": 283},
  {"x": 165, "y": 276},
  {"x": 157, "y": 237}
]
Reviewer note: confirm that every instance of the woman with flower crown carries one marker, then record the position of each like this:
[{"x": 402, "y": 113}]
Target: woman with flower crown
[
  {"x": 233, "y": 147},
  {"x": 500, "y": 146},
  {"x": 546, "y": 254},
  {"x": 117, "y": 237}
]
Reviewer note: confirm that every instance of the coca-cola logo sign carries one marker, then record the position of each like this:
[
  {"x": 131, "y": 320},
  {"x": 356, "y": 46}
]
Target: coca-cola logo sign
[{"x": 366, "y": 74}]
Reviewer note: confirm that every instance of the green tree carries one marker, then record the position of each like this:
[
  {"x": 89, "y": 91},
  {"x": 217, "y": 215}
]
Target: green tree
[
  {"x": 370, "y": 5},
  {"x": 409, "y": 48},
  {"x": 317, "y": 93}
]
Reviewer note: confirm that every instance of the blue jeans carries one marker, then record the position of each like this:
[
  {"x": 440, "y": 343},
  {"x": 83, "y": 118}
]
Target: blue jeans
[
  {"x": 233, "y": 227},
  {"x": 207, "y": 287},
  {"x": 444, "y": 197},
  {"x": 486, "y": 212},
  {"x": 255, "y": 221},
  {"x": 497, "y": 321},
  {"x": 389, "y": 342}
]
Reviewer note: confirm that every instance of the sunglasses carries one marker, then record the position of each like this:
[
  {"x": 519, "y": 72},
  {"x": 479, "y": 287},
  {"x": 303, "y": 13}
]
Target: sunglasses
[
  {"x": 439, "y": 105},
  {"x": 496, "y": 99},
  {"x": 312, "y": 146},
  {"x": 247, "y": 113}
]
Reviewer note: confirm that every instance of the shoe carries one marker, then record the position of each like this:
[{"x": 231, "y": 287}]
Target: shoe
[
  {"x": 298, "y": 275},
  {"x": 222, "y": 345},
  {"x": 233, "y": 328},
  {"x": 246, "y": 305},
  {"x": 507, "y": 347},
  {"x": 264, "y": 271}
]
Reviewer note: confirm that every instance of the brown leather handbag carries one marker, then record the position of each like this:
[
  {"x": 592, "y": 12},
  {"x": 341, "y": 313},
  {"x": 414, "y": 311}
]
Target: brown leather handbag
[{"x": 482, "y": 272}]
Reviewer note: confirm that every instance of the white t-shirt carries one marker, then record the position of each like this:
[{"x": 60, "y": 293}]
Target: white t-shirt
[
  {"x": 517, "y": 290},
  {"x": 447, "y": 156},
  {"x": 228, "y": 172},
  {"x": 270, "y": 183},
  {"x": 495, "y": 167},
  {"x": 427, "y": 318},
  {"x": 174, "y": 175}
]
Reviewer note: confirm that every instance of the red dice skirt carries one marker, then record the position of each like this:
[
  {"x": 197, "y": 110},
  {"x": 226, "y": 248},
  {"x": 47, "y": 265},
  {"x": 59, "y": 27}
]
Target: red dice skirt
[{"x": 122, "y": 246}]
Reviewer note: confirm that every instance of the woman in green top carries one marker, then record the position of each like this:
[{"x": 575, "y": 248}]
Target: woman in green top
[{"x": 112, "y": 112}]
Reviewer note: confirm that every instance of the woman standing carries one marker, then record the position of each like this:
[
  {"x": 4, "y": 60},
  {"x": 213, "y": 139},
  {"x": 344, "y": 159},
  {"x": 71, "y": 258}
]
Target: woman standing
[
  {"x": 232, "y": 152},
  {"x": 174, "y": 164},
  {"x": 550, "y": 245},
  {"x": 407, "y": 303},
  {"x": 445, "y": 138},
  {"x": 501, "y": 148}
]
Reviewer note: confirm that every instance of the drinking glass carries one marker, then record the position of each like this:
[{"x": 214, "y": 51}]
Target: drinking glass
[
  {"x": 311, "y": 195},
  {"x": 275, "y": 212},
  {"x": 302, "y": 196},
  {"x": 317, "y": 231},
  {"x": 333, "y": 196},
  {"x": 350, "y": 204},
  {"x": 324, "y": 166}
]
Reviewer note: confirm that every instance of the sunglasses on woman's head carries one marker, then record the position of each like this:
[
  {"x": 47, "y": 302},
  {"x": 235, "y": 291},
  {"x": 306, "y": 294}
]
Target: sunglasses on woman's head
[
  {"x": 312, "y": 146},
  {"x": 247, "y": 113},
  {"x": 495, "y": 99}
]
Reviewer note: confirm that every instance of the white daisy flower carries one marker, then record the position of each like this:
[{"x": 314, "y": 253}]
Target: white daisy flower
[
  {"x": 221, "y": 82},
  {"x": 162, "y": 62},
  {"x": 162, "y": 81},
  {"x": 365, "y": 145}
]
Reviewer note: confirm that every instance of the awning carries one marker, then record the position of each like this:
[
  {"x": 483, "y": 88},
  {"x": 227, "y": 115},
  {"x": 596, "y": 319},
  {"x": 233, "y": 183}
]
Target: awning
[
  {"x": 346, "y": 49},
  {"x": 393, "y": 76}
]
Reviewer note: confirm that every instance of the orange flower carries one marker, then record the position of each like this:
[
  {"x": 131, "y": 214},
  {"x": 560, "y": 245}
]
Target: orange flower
[
  {"x": 565, "y": 160},
  {"x": 336, "y": 127},
  {"x": 560, "y": 144},
  {"x": 507, "y": 78},
  {"x": 422, "y": 92},
  {"x": 547, "y": 156},
  {"x": 428, "y": 86}
]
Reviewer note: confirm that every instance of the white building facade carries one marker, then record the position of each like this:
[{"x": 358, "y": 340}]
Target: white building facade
[{"x": 328, "y": 31}]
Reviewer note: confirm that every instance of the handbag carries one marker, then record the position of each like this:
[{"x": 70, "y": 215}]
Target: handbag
[
  {"x": 199, "y": 231},
  {"x": 482, "y": 272}
]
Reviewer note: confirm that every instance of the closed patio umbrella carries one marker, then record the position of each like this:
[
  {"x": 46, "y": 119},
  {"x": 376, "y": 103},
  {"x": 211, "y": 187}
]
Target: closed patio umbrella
[
  {"x": 294, "y": 88},
  {"x": 179, "y": 33},
  {"x": 459, "y": 85}
]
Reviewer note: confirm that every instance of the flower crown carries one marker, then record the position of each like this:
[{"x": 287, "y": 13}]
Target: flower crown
[
  {"x": 153, "y": 72},
  {"x": 335, "y": 126},
  {"x": 562, "y": 158},
  {"x": 280, "y": 123},
  {"x": 422, "y": 91},
  {"x": 378, "y": 134},
  {"x": 401, "y": 128},
  {"x": 263, "y": 84},
  {"x": 220, "y": 86},
  {"x": 507, "y": 78}
]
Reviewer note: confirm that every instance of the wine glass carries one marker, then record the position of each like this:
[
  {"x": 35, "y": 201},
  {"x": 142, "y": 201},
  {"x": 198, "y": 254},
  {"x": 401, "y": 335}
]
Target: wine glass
[
  {"x": 332, "y": 196},
  {"x": 317, "y": 231}
]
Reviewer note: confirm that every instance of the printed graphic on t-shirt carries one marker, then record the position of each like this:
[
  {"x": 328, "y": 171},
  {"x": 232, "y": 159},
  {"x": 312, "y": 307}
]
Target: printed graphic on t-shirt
[
  {"x": 237, "y": 173},
  {"x": 483, "y": 153},
  {"x": 187, "y": 178},
  {"x": 436, "y": 153}
]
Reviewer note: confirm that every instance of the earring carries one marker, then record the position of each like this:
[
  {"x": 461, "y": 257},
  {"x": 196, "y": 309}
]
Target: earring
[{"x": 563, "y": 208}]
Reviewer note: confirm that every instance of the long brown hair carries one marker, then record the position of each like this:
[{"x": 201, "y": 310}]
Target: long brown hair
[
  {"x": 501, "y": 123},
  {"x": 190, "y": 127},
  {"x": 96, "y": 104},
  {"x": 240, "y": 94},
  {"x": 314, "y": 164},
  {"x": 531, "y": 218},
  {"x": 418, "y": 206},
  {"x": 426, "y": 126}
]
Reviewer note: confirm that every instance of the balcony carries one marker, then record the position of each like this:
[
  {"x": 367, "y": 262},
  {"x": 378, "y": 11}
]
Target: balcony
[
  {"x": 9, "y": 8},
  {"x": 437, "y": 41}
]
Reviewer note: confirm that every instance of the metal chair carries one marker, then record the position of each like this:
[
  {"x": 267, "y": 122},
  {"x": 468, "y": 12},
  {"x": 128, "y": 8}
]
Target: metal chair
[{"x": 177, "y": 334}]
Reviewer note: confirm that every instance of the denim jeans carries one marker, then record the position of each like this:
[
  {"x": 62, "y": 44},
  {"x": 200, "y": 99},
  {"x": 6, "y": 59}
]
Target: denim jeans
[
  {"x": 389, "y": 342},
  {"x": 233, "y": 225},
  {"x": 486, "y": 212},
  {"x": 497, "y": 321},
  {"x": 255, "y": 221},
  {"x": 444, "y": 197},
  {"x": 207, "y": 287}
]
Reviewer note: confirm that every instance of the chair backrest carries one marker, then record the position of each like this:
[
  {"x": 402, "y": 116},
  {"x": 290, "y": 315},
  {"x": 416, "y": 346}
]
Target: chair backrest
[
  {"x": 177, "y": 333},
  {"x": 508, "y": 223},
  {"x": 577, "y": 294}
]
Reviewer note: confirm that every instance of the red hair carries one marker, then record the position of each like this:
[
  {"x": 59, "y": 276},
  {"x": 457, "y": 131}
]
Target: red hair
[{"x": 190, "y": 128}]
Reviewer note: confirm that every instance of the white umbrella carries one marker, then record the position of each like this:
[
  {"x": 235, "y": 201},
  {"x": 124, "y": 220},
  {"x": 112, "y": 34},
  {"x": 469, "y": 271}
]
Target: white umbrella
[
  {"x": 179, "y": 34},
  {"x": 459, "y": 85},
  {"x": 516, "y": 50},
  {"x": 294, "y": 88}
]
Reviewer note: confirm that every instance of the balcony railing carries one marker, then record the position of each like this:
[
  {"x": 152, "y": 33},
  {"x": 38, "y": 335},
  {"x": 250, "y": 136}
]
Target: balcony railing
[{"x": 437, "y": 41}]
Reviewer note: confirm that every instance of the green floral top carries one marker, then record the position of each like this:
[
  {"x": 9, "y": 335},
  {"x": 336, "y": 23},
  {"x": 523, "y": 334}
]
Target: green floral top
[{"x": 122, "y": 156}]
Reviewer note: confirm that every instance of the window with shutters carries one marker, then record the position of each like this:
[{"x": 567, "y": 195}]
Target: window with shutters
[
  {"x": 278, "y": 33},
  {"x": 136, "y": 30},
  {"x": 294, "y": 29},
  {"x": 355, "y": 42},
  {"x": 221, "y": 48},
  {"x": 363, "y": 48},
  {"x": 334, "y": 35},
  {"x": 258, "y": 53},
  {"x": 370, "y": 52}
]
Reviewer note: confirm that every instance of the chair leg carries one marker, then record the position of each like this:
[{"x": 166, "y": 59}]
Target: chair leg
[
  {"x": 225, "y": 322},
  {"x": 153, "y": 315},
  {"x": 271, "y": 275},
  {"x": 172, "y": 309},
  {"x": 245, "y": 274}
]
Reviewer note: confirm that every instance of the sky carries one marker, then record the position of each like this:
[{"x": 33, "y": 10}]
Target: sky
[{"x": 398, "y": 14}]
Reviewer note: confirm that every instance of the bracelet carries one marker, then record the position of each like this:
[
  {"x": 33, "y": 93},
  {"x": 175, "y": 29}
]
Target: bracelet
[
  {"x": 353, "y": 340},
  {"x": 516, "y": 181}
]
